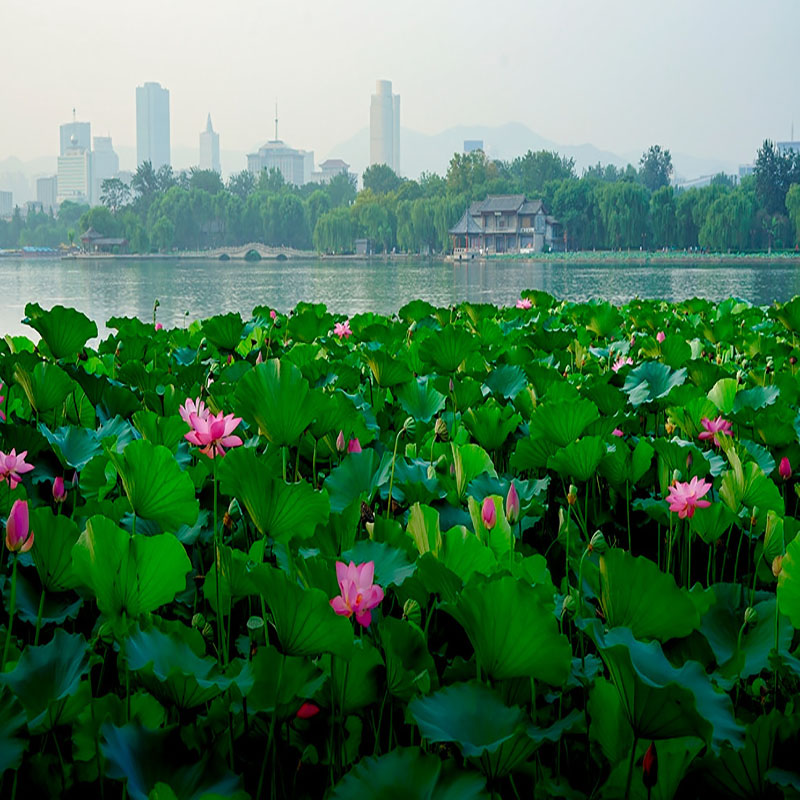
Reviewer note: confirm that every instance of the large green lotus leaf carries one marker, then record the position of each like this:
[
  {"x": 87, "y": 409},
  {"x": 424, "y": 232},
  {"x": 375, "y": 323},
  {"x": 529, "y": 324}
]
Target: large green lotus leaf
[
  {"x": 156, "y": 487},
  {"x": 357, "y": 682},
  {"x": 756, "y": 398},
  {"x": 64, "y": 330},
  {"x": 651, "y": 381},
  {"x": 284, "y": 511},
  {"x": 623, "y": 465},
  {"x": 420, "y": 400},
  {"x": 392, "y": 566},
  {"x": 234, "y": 569},
  {"x": 408, "y": 774},
  {"x": 304, "y": 621},
  {"x": 661, "y": 701},
  {"x": 388, "y": 370},
  {"x": 438, "y": 579},
  {"x": 562, "y": 423},
  {"x": 171, "y": 669},
  {"x": 416, "y": 481},
  {"x": 167, "y": 431},
  {"x": 465, "y": 554},
  {"x": 491, "y": 424},
  {"x": 149, "y": 762},
  {"x": 12, "y": 719},
  {"x": 360, "y": 475},
  {"x": 448, "y": 349},
  {"x": 416, "y": 310},
  {"x": 46, "y": 677},
  {"x": 506, "y": 380},
  {"x": 789, "y": 583},
  {"x": 636, "y": 594},
  {"x": 56, "y": 609},
  {"x": 675, "y": 352},
  {"x": 410, "y": 668},
  {"x": 499, "y": 537},
  {"x": 129, "y": 575},
  {"x": 52, "y": 549},
  {"x": 224, "y": 331},
  {"x": 309, "y": 322},
  {"x": 514, "y": 634},
  {"x": 75, "y": 447},
  {"x": 274, "y": 398},
  {"x": 713, "y": 522},
  {"x": 423, "y": 528},
  {"x": 609, "y": 726},
  {"x": 469, "y": 461},
  {"x": 532, "y": 453},
  {"x": 750, "y": 487},
  {"x": 580, "y": 459},
  {"x": 788, "y": 314},
  {"x": 46, "y": 387},
  {"x": 723, "y": 394},
  {"x": 279, "y": 682}
]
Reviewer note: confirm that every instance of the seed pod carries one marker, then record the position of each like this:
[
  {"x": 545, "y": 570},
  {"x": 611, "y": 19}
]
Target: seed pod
[
  {"x": 440, "y": 430},
  {"x": 412, "y": 612},
  {"x": 598, "y": 544}
]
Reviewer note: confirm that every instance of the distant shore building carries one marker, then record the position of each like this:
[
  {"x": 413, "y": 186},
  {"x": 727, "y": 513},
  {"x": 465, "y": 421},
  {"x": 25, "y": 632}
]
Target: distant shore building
[
  {"x": 788, "y": 148},
  {"x": 209, "y": 148},
  {"x": 94, "y": 242},
  {"x": 152, "y": 125},
  {"x": 81, "y": 131},
  {"x": 105, "y": 165},
  {"x": 745, "y": 170},
  {"x": 276, "y": 154},
  {"x": 75, "y": 174},
  {"x": 6, "y": 204},
  {"x": 329, "y": 169},
  {"x": 471, "y": 145},
  {"x": 384, "y": 127},
  {"x": 47, "y": 192},
  {"x": 506, "y": 223}
]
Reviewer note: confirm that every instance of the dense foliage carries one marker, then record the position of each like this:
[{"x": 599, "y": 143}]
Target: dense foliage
[
  {"x": 607, "y": 208},
  {"x": 544, "y": 551}
]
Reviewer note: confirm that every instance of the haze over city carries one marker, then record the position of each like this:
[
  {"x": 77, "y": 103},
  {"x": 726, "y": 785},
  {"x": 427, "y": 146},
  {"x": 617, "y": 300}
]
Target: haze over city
[{"x": 712, "y": 80}]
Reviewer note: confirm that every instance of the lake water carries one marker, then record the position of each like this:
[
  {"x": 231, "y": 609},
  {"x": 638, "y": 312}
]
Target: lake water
[{"x": 105, "y": 288}]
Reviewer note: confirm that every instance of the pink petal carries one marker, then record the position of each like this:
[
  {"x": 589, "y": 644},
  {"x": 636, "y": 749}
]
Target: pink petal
[
  {"x": 340, "y": 607},
  {"x": 341, "y": 572},
  {"x": 364, "y": 618}
]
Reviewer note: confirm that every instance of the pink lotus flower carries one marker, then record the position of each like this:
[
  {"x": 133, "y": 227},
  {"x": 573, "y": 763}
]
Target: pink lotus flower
[
  {"x": 524, "y": 303},
  {"x": 617, "y": 432},
  {"x": 620, "y": 363},
  {"x": 273, "y": 315},
  {"x": 354, "y": 446},
  {"x": 159, "y": 326},
  {"x": 685, "y": 497},
  {"x": 714, "y": 427},
  {"x": 59, "y": 492},
  {"x": 489, "y": 513},
  {"x": 512, "y": 504},
  {"x": 18, "y": 539},
  {"x": 341, "y": 445},
  {"x": 197, "y": 407},
  {"x": 660, "y": 336},
  {"x": 307, "y": 710},
  {"x": 12, "y": 466},
  {"x": 359, "y": 595},
  {"x": 212, "y": 434},
  {"x": 342, "y": 329},
  {"x": 785, "y": 468},
  {"x": 2, "y": 400}
]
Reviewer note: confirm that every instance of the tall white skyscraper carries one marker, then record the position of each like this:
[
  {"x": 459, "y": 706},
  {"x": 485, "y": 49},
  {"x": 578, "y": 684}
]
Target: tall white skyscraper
[
  {"x": 75, "y": 173},
  {"x": 384, "y": 127},
  {"x": 105, "y": 165},
  {"x": 82, "y": 131},
  {"x": 152, "y": 125},
  {"x": 209, "y": 148}
]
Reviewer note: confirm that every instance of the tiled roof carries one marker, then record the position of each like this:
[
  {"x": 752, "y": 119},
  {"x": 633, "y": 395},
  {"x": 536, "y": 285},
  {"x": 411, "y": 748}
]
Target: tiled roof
[
  {"x": 465, "y": 225},
  {"x": 502, "y": 202},
  {"x": 531, "y": 207}
]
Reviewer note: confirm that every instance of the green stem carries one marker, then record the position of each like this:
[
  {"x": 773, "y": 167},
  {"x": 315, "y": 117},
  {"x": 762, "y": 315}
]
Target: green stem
[
  {"x": 39, "y": 619},
  {"x": 12, "y": 601},
  {"x": 391, "y": 477},
  {"x": 628, "y": 513},
  {"x": 217, "y": 565},
  {"x": 630, "y": 767}
]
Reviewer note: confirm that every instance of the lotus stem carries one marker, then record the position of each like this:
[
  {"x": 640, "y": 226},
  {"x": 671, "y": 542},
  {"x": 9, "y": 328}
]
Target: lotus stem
[
  {"x": 628, "y": 513},
  {"x": 391, "y": 477},
  {"x": 630, "y": 767},
  {"x": 12, "y": 602},
  {"x": 39, "y": 619}
]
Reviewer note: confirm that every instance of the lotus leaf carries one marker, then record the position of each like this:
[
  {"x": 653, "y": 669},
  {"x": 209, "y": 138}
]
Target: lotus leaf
[{"x": 65, "y": 331}]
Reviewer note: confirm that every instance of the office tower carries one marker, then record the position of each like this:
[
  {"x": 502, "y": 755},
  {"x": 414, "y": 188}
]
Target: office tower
[
  {"x": 105, "y": 165},
  {"x": 209, "y": 148},
  {"x": 47, "y": 192},
  {"x": 75, "y": 173},
  {"x": 152, "y": 125},
  {"x": 384, "y": 127},
  {"x": 82, "y": 131}
]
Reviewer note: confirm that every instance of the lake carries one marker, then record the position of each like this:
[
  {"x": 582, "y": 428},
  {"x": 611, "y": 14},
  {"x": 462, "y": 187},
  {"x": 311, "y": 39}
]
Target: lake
[{"x": 105, "y": 288}]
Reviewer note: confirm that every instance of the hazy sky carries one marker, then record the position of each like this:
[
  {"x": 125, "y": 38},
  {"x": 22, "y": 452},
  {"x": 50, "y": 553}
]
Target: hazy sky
[{"x": 708, "y": 78}]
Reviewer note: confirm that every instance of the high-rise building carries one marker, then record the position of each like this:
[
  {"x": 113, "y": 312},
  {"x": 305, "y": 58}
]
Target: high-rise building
[
  {"x": 152, "y": 125},
  {"x": 209, "y": 148},
  {"x": 6, "y": 204},
  {"x": 105, "y": 165},
  {"x": 75, "y": 174},
  {"x": 47, "y": 192},
  {"x": 296, "y": 166},
  {"x": 384, "y": 127},
  {"x": 82, "y": 131}
]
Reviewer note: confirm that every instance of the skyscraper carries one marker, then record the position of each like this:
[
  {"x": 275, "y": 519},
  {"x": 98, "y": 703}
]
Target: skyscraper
[
  {"x": 105, "y": 165},
  {"x": 75, "y": 173},
  {"x": 82, "y": 131},
  {"x": 152, "y": 125},
  {"x": 384, "y": 127},
  {"x": 209, "y": 148}
]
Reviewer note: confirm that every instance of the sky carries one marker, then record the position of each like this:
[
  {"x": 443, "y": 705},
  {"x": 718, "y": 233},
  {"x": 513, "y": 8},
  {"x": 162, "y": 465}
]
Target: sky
[{"x": 696, "y": 76}]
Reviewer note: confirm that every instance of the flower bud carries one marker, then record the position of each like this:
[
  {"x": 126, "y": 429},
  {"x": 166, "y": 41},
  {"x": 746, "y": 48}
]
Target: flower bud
[
  {"x": 307, "y": 710},
  {"x": 512, "y": 505},
  {"x": 750, "y": 616},
  {"x": 792, "y": 360},
  {"x": 568, "y": 606},
  {"x": 785, "y": 469},
  {"x": 489, "y": 513},
  {"x": 341, "y": 445},
  {"x": 59, "y": 492},
  {"x": 777, "y": 566},
  {"x": 660, "y": 336},
  {"x": 451, "y": 386},
  {"x": 273, "y": 315},
  {"x": 19, "y": 539},
  {"x": 676, "y": 475},
  {"x": 572, "y": 495},
  {"x": 598, "y": 544},
  {"x": 440, "y": 430},
  {"x": 354, "y": 446},
  {"x": 650, "y": 767}
]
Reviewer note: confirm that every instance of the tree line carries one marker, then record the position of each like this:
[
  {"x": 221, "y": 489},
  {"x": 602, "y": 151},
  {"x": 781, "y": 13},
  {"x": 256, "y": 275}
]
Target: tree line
[{"x": 606, "y": 208}]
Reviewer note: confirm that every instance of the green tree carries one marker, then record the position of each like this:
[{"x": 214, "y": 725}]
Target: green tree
[
  {"x": 534, "y": 170},
  {"x": 574, "y": 204},
  {"x": 101, "y": 219},
  {"x": 380, "y": 179},
  {"x": 730, "y": 222},
  {"x": 163, "y": 233},
  {"x": 342, "y": 189},
  {"x": 662, "y": 217},
  {"x": 335, "y": 232},
  {"x": 655, "y": 167},
  {"x": 774, "y": 174},
  {"x": 624, "y": 209},
  {"x": 271, "y": 180},
  {"x": 208, "y": 180},
  {"x": 318, "y": 203},
  {"x": 114, "y": 194},
  {"x": 793, "y": 208},
  {"x": 242, "y": 183}
]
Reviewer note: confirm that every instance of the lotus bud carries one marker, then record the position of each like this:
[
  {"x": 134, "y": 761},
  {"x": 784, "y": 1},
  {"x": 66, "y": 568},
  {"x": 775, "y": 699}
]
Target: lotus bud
[
  {"x": 660, "y": 336},
  {"x": 676, "y": 475},
  {"x": 273, "y": 314},
  {"x": 440, "y": 430},
  {"x": 341, "y": 445},
  {"x": 59, "y": 492},
  {"x": 412, "y": 612},
  {"x": 19, "y": 539},
  {"x": 259, "y": 358},
  {"x": 489, "y": 513},
  {"x": 512, "y": 505},
  {"x": 354, "y": 446},
  {"x": 689, "y": 461},
  {"x": 208, "y": 631},
  {"x": 75, "y": 478},
  {"x": 409, "y": 426},
  {"x": 750, "y": 616},
  {"x": 650, "y": 767},
  {"x": 598, "y": 544},
  {"x": 307, "y": 710},
  {"x": 451, "y": 386},
  {"x": 572, "y": 494},
  {"x": 777, "y": 566},
  {"x": 785, "y": 468},
  {"x": 792, "y": 360}
]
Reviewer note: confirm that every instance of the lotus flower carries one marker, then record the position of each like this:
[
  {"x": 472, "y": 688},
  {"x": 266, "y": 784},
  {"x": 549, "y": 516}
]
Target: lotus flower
[
  {"x": 59, "y": 492},
  {"x": 489, "y": 513},
  {"x": 197, "y": 407},
  {"x": 341, "y": 445},
  {"x": 354, "y": 446},
  {"x": 18, "y": 538},
  {"x": 713, "y": 427},
  {"x": 685, "y": 497},
  {"x": 342, "y": 329},
  {"x": 159, "y": 326},
  {"x": 273, "y": 315},
  {"x": 2, "y": 400},
  {"x": 212, "y": 434},
  {"x": 307, "y": 710},
  {"x": 512, "y": 505},
  {"x": 359, "y": 595},
  {"x": 617, "y": 432},
  {"x": 524, "y": 303},
  {"x": 650, "y": 767},
  {"x": 621, "y": 362},
  {"x": 12, "y": 466},
  {"x": 785, "y": 468},
  {"x": 660, "y": 336}
]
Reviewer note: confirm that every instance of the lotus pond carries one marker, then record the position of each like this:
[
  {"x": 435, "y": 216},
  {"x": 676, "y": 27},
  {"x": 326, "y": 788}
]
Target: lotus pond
[{"x": 541, "y": 551}]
